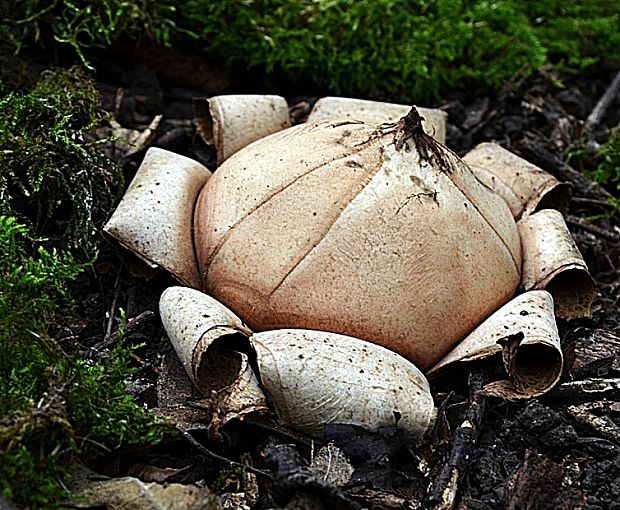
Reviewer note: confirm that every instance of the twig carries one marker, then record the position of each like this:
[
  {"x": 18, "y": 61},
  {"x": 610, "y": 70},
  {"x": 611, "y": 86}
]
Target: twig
[
  {"x": 585, "y": 390},
  {"x": 204, "y": 450},
  {"x": 131, "y": 325},
  {"x": 597, "y": 114},
  {"x": 593, "y": 229},
  {"x": 592, "y": 201},
  {"x": 145, "y": 137},
  {"x": 444, "y": 490},
  {"x": 117, "y": 291},
  {"x": 548, "y": 161}
]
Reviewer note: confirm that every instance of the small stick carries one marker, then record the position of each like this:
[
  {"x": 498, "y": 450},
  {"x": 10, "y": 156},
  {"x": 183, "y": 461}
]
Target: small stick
[
  {"x": 204, "y": 450},
  {"x": 597, "y": 114},
  {"x": 591, "y": 201},
  {"x": 593, "y": 229},
  {"x": 145, "y": 137},
  {"x": 444, "y": 490},
  {"x": 131, "y": 325},
  {"x": 585, "y": 391},
  {"x": 563, "y": 171},
  {"x": 117, "y": 291}
]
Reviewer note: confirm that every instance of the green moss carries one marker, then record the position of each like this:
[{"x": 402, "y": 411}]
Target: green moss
[
  {"x": 604, "y": 164},
  {"x": 54, "y": 408},
  {"x": 31, "y": 287},
  {"x": 82, "y": 24},
  {"x": 102, "y": 414},
  {"x": 577, "y": 34},
  {"x": 229, "y": 479},
  {"x": 411, "y": 50},
  {"x": 54, "y": 173}
]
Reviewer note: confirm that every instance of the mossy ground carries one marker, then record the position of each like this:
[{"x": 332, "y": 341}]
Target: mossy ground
[
  {"x": 57, "y": 187},
  {"x": 415, "y": 51}
]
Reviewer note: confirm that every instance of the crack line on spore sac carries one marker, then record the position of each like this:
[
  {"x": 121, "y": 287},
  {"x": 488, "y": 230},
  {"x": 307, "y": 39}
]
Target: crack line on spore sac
[{"x": 266, "y": 200}]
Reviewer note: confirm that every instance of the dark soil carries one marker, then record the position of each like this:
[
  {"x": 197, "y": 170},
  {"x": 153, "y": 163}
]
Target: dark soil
[{"x": 558, "y": 451}]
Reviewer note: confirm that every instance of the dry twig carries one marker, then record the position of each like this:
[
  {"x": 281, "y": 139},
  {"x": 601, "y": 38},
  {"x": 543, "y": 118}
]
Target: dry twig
[
  {"x": 444, "y": 491},
  {"x": 130, "y": 326},
  {"x": 593, "y": 229},
  {"x": 205, "y": 451},
  {"x": 585, "y": 391},
  {"x": 597, "y": 114}
]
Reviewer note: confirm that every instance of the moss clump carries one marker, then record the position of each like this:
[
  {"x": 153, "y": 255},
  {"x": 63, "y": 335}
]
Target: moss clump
[
  {"x": 53, "y": 408},
  {"x": 54, "y": 174},
  {"x": 33, "y": 431},
  {"x": 31, "y": 287},
  {"x": 410, "y": 50},
  {"x": 102, "y": 414},
  {"x": 402, "y": 49},
  {"x": 604, "y": 164},
  {"x": 82, "y": 24},
  {"x": 577, "y": 34},
  {"x": 57, "y": 187}
]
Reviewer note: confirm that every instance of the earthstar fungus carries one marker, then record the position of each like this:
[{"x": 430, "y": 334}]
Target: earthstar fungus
[{"x": 335, "y": 233}]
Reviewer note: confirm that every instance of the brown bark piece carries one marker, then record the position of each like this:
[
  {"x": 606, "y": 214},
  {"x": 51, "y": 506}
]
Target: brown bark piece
[
  {"x": 597, "y": 416},
  {"x": 379, "y": 500},
  {"x": 295, "y": 483},
  {"x": 596, "y": 354},
  {"x": 537, "y": 485}
]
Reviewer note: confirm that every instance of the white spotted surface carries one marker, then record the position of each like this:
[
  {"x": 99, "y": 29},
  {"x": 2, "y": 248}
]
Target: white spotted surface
[
  {"x": 154, "y": 219},
  {"x": 315, "y": 378}
]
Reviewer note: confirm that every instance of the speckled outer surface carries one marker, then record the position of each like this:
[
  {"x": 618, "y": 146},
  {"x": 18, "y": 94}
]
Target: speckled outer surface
[
  {"x": 201, "y": 330},
  {"x": 238, "y": 120},
  {"x": 155, "y": 217},
  {"x": 316, "y": 378},
  {"x": 312, "y": 378},
  {"x": 524, "y": 332},
  {"x": 552, "y": 261}
]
